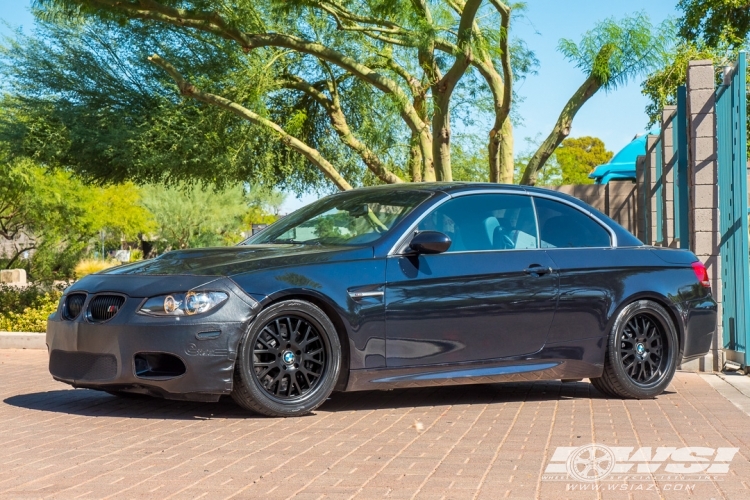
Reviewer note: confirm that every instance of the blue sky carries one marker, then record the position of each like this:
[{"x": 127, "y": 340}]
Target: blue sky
[{"x": 615, "y": 117}]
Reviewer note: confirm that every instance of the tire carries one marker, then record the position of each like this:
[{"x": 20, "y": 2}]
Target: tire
[
  {"x": 642, "y": 353},
  {"x": 599, "y": 386},
  {"x": 288, "y": 362}
]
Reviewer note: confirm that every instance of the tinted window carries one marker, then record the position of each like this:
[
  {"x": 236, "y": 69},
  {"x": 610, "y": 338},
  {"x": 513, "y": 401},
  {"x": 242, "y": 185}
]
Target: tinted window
[
  {"x": 485, "y": 222},
  {"x": 563, "y": 226}
]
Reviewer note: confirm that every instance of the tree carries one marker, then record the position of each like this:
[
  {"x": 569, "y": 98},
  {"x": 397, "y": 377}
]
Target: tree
[
  {"x": 264, "y": 206},
  {"x": 57, "y": 217},
  {"x": 190, "y": 217},
  {"x": 715, "y": 22},
  {"x": 708, "y": 29},
  {"x": 611, "y": 54},
  {"x": 363, "y": 91},
  {"x": 577, "y": 157}
]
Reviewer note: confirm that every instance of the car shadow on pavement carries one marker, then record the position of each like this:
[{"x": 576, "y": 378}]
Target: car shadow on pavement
[{"x": 85, "y": 402}]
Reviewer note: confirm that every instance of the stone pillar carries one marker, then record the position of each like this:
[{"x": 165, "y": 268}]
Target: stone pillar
[
  {"x": 705, "y": 234},
  {"x": 669, "y": 159},
  {"x": 641, "y": 198},
  {"x": 652, "y": 182}
]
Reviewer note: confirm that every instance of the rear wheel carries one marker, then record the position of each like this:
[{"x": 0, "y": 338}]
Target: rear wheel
[
  {"x": 288, "y": 361},
  {"x": 642, "y": 353}
]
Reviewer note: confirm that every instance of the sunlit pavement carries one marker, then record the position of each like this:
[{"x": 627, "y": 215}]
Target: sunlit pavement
[{"x": 483, "y": 441}]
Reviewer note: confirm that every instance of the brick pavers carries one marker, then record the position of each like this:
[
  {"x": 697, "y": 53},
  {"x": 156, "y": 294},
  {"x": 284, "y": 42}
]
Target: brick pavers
[{"x": 489, "y": 442}]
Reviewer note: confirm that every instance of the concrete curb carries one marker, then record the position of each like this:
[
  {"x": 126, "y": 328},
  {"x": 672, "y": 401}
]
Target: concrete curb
[
  {"x": 735, "y": 388},
  {"x": 22, "y": 340}
]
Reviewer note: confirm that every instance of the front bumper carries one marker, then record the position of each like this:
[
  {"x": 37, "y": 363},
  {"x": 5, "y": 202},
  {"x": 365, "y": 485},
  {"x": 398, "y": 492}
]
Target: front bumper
[{"x": 109, "y": 356}]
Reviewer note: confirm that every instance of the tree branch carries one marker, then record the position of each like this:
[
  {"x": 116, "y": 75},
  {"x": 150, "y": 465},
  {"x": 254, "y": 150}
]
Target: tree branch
[
  {"x": 561, "y": 129},
  {"x": 189, "y": 90},
  {"x": 213, "y": 23},
  {"x": 341, "y": 126},
  {"x": 442, "y": 91}
]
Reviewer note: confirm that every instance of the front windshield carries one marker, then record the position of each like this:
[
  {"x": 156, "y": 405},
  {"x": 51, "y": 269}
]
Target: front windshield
[{"x": 352, "y": 218}]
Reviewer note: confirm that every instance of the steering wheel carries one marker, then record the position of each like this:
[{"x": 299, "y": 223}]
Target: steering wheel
[{"x": 507, "y": 243}]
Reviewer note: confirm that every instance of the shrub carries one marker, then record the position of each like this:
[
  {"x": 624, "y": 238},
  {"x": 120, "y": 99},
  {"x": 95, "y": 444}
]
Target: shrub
[
  {"x": 27, "y": 309},
  {"x": 136, "y": 255},
  {"x": 90, "y": 266}
]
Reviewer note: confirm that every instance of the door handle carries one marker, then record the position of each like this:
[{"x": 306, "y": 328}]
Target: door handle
[{"x": 538, "y": 270}]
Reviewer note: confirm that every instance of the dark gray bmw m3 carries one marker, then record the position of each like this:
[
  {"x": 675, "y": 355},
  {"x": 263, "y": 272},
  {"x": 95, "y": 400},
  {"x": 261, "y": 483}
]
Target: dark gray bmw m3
[{"x": 392, "y": 286}]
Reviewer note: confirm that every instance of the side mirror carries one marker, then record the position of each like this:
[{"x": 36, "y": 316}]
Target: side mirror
[{"x": 430, "y": 242}]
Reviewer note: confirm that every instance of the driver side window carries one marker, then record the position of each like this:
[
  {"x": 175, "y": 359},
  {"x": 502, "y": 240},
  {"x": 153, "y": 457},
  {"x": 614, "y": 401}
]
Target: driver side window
[{"x": 485, "y": 222}]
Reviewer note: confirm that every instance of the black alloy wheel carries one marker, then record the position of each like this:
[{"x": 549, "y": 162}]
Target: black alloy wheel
[
  {"x": 289, "y": 360},
  {"x": 642, "y": 349},
  {"x": 642, "y": 352},
  {"x": 289, "y": 357}
]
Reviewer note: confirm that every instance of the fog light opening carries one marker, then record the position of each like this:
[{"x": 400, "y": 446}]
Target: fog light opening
[{"x": 158, "y": 365}]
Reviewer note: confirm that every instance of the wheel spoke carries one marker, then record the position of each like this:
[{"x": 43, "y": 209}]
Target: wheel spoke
[{"x": 298, "y": 378}]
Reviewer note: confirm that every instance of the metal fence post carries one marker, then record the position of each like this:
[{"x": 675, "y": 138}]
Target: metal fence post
[{"x": 681, "y": 184}]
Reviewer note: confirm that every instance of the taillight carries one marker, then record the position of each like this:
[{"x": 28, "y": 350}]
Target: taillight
[{"x": 700, "y": 272}]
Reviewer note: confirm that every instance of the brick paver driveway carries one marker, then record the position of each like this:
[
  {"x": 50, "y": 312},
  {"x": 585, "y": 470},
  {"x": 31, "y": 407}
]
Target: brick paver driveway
[{"x": 491, "y": 441}]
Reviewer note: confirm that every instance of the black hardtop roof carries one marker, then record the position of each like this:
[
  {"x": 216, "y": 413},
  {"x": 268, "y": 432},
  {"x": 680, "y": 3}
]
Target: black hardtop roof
[{"x": 456, "y": 186}]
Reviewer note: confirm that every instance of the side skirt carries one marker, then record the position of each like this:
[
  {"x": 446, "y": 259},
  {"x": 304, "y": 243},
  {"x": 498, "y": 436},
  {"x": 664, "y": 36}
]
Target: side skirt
[{"x": 584, "y": 359}]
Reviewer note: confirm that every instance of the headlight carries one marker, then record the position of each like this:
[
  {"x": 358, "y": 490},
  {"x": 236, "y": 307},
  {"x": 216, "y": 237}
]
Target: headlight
[{"x": 181, "y": 304}]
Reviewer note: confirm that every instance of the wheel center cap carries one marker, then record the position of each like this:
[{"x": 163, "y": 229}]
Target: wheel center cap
[
  {"x": 640, "y": 348},
  {"x": 288, "y": 357}
]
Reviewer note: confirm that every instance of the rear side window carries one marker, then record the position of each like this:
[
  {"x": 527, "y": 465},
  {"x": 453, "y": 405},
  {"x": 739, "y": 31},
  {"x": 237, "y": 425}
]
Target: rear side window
[{"x": 562, "y": 226}]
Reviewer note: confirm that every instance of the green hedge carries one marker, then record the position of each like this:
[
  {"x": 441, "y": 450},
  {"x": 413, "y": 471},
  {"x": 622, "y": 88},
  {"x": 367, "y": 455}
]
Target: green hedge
[{"x": 27, "y": 309}]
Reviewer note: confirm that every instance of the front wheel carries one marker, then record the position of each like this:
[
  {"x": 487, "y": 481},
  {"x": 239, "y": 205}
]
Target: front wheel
[
  {"x": 642, "y": 353},
  {"x": 288, "y": 361}
]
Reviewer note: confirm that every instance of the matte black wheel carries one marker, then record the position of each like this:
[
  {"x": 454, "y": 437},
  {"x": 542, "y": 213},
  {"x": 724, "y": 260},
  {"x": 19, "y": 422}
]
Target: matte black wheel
[
  {"x": 288, "y": 362},
  {"x": 642, "y": 353}
]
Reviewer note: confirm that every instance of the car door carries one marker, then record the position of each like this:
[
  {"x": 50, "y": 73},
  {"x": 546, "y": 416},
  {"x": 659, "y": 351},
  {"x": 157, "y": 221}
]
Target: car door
[
  {"x": 592, "y": 272},
  {"x": 492, "y": 294}
]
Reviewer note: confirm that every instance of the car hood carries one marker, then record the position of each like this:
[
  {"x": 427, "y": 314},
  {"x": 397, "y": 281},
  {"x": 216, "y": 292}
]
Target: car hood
[
  {"x": 229, "y": 261},
  {"x": 190, "y": 269}
]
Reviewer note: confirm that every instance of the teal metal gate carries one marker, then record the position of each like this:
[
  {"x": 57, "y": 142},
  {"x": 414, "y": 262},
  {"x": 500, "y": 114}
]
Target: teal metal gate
[
  {"x": 731, "y": 125},
  {"x": 680, "y": 142},
  {"x": 659, "y": 193}
]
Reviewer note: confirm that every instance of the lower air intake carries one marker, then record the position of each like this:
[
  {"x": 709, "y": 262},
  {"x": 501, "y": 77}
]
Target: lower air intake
[{"x": 82, "y": 365}]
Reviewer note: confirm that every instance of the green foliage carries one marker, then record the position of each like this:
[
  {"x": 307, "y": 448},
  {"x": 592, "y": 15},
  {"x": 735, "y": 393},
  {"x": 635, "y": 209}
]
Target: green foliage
[
  {"x": 59, "y": 216},
  {"x": 87, "y": 99},
  {"x": 91, "y": 266},
  {"x": 576, "y": 158},
  {"x": 134, "y": 127},
  {"x": 190, "y": 217},
  {"x": 263, "y": 206},
  {"x": 661, "y": 86},
  {"x": 469, "y": 159},
  {"x": 617, "y": 50},
  {"x": 715, "y": 22},
  {"x": 27, "y": 309},
  {"x": 708, "y": 29}
]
